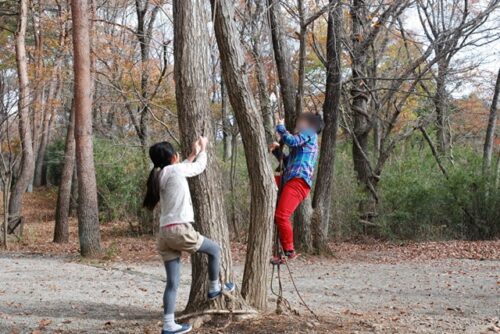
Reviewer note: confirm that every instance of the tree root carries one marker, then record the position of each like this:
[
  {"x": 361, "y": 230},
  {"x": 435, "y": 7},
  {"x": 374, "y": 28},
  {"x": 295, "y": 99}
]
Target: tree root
[{"x": 216, "y": 312}]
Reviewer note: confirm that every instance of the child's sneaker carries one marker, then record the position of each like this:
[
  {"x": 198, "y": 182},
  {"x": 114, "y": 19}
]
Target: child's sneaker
[
  {"x": 228, "y": 287},
  {"x": 276, "y": 260},
  {"x": 288, "y": 256},
  {"x": 185, "y": 328},
  {"x": 291, "y": 255}
]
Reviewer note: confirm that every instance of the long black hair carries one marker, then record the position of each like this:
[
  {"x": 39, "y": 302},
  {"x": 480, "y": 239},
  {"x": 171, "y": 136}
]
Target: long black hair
[{"x": 161, "y": 155}]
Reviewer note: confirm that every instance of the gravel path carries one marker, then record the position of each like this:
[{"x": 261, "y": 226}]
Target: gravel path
[{"x": 53, "y": 294}]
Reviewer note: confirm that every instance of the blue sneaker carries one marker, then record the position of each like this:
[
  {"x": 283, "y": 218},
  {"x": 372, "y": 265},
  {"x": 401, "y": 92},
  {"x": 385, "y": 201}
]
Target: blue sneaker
[
  {"x": 185, "y": 328},
  {"x": 228, "y": 287}
]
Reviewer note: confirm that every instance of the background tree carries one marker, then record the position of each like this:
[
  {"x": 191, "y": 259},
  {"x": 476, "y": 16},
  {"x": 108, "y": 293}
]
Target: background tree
[
  {"x": 490, "y": 130},
  {"x": 28, "y": 160},
  {"x": 61, "y": 228},
  {"x": 331, "y": 108},
  {"x": 452, "y": 26},
  {"x": 88, "y": 218}
]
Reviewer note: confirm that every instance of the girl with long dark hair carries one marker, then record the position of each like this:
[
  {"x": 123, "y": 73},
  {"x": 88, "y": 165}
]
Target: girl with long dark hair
[{"x": 167, "y": 185}]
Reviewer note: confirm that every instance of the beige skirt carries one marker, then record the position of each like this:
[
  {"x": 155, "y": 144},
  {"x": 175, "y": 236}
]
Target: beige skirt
[{"x": 173, "y": 240}]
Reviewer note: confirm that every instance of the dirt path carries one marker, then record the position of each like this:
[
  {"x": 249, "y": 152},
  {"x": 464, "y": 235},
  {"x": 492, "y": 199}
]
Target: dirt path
[{"x": 56, "y": 294}]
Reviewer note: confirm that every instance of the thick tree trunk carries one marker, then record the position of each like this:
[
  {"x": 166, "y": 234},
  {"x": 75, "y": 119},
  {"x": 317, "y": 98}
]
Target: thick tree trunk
[
  {"x": 324, "y": 182},
  {"x": 88, "y": 218},
  {"x": 490, "y": 130},
  {"x": 250, "y": 123},
  {"x": 191, "y": 68},
  {"x": 61, "y": 229},
  {"x": 28, "y": 159}
]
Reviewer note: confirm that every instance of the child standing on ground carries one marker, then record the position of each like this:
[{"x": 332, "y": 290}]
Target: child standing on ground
[
  {"x": 297, "y": 173},
  {"x": 167, "y": 184}
]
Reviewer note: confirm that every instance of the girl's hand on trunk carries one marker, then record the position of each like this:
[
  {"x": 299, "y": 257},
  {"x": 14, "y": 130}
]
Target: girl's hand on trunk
[{"x": 203, "y": 142}]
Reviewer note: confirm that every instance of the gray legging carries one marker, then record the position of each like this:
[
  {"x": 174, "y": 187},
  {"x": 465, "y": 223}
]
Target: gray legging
[{"x": 209, "y": 247}]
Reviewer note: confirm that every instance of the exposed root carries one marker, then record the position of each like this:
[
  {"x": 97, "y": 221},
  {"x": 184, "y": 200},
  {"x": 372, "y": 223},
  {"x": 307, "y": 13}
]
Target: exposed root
[{"x": 216, "y": 312}]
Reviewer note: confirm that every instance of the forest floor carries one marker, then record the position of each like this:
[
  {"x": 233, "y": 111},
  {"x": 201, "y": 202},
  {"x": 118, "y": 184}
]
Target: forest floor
[{"x": 431, "y": 287}]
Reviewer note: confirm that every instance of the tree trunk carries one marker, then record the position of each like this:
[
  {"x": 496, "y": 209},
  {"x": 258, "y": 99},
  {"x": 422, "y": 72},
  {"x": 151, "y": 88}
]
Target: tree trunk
[
  {"x": 283, "y": 65},
  {"x": 191, "y": 68},
  {"x": 88, "y": 218},
  {"x": 144, "y": 35},
  {"x": 324, "y": 182},
  {"x": 38, "y": 92},
  {"x": 61, "y": 229},
  {"x": 299, "y": 96},
  {"x": 28, "y": 159},
  {"x": 250, "y": 123},
  {"x": 490, "y": 130},
  {"x": 359, "y": 107},
  {"x": 264, "y": 99},
  {"x": 73, "y": 205},
  {"x": 440, "y": 105},
  {"x": 226, "y": 126},
  {"x": 44, "y": 135}
]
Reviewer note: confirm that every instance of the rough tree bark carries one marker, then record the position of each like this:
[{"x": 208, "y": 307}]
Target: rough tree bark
[
  {"x": 191, "y": 69},
  {"x": 322, "y": 194},
  {"x": 490, "y": 130},
  {"x": 250, "y": 123},
  {"x": 28, "y": 159},
  {"x": 88, "y": 218},
  {"x": 61, "y": 230}
]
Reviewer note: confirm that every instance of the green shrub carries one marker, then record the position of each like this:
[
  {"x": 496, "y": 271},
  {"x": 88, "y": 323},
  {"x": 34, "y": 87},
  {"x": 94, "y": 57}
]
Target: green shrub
[
  {"x": 55, "y": 157},
  {"x": 120, "y": 173},
  {"x": 418, "y": 202}
]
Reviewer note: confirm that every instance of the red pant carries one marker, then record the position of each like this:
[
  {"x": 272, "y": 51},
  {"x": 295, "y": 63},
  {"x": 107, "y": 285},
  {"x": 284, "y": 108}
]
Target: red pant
[{"x": 294, "y": 192}]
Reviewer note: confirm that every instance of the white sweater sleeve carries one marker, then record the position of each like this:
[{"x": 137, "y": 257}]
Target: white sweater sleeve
[{"x": 190, "y": 169}]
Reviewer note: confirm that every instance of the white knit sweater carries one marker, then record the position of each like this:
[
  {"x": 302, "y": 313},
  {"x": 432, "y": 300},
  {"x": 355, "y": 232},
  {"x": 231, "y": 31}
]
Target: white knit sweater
[{"x": 175, "y": 199}]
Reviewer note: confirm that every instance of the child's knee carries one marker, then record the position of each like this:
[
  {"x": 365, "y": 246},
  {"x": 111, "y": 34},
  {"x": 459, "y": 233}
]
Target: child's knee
[
  {"x": 281, "y": 217},
  {"x": 173, "y": 283}
]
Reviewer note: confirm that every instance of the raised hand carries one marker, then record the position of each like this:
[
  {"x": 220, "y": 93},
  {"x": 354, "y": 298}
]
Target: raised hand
[
  {"x": 273, "y": 146},
  {"x": 203, "y": 141},
  {"x": 196, "y": 148}
]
